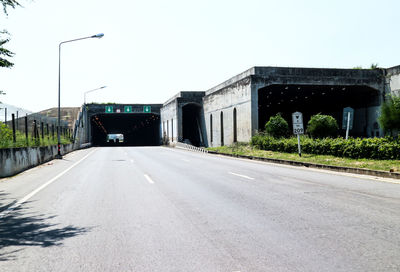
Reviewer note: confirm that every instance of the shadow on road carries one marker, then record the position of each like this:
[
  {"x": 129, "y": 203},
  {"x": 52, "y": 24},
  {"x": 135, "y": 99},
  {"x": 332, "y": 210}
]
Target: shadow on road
[{"x": 21, "y": 228}]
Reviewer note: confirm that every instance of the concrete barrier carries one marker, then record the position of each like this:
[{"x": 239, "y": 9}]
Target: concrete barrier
[{"x": 16, "y": 160}]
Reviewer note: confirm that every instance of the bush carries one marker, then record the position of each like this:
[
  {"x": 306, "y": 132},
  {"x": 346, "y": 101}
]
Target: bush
[
  {"x": 322, "y": 126},
  {"x": 277, "y": 126},
  {"x": 390, "y": 115},
  {"x": 5, "y": 135},
  {"x": 371, "y": 148}
]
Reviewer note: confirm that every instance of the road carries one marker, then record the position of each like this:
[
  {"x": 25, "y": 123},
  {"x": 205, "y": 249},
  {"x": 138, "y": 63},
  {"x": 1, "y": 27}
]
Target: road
[{"x": 164, "y": 209}]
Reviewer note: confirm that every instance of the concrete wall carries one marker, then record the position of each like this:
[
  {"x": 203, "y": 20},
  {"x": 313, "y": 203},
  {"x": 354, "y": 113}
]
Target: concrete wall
[
  {"x": 16, "y": 160},
  {"x": 169, "y": 120},
  {"x": 393, "y": 75},
  {"x": 171, "y": 114},
  {"x": 236, "y": 95},
  {"x": 241, "y": 92}
]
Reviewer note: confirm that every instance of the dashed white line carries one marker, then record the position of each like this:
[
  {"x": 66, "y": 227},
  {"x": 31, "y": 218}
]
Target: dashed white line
[
  {"x": 132, "y": 161},
  {"x": 185, "y": 160},
  {"x": 34, "y": 192},
  {"x": 149, "y": 179},
  {"x": 242, "y": 176}
]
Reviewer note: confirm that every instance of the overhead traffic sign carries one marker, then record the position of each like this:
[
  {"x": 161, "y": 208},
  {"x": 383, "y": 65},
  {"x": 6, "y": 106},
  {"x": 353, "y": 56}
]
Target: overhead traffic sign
[
  {"x": 128, "y": 109},
  {"x": 109, "y": 109},
  {"x": 146, "y": 109}
]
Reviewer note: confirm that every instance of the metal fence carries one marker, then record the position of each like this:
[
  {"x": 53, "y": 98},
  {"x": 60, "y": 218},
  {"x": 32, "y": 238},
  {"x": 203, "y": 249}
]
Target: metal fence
[{"x": 33, "y": 125}]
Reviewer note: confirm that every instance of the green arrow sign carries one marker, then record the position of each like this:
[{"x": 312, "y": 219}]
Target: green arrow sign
[
  {"x": 128, "y": 109},
  {"x": 146, "y": 109},
  {"x": 109, "y": 109}
]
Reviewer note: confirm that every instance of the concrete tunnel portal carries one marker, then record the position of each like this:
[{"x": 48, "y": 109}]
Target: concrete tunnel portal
[
  {"x": 313, "y": 99},
  {"x": 138, "y": 129}
]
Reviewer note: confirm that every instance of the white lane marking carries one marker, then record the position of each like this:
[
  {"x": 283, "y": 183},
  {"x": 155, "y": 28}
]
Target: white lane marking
[
  {"x": 149, "y": 179},
  {"x": 308, "y": 169},
  {"x": 132, "y": 161},
  {"x": 242, "y": 176},
  {"x": 34, "y": 192},
  {"x": 185, "y": 160}
]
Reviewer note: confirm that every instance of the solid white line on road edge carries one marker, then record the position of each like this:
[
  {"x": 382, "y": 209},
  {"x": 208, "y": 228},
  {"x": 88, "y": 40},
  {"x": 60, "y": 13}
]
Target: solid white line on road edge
[
  {"x": 149, "y": 179},
  {"x": 28, "y": 196},
  {"x": 242, "y": 176}
]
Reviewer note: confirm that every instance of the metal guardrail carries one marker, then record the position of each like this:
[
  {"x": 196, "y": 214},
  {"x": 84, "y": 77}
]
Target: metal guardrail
[{"x": 190, "y": 147}]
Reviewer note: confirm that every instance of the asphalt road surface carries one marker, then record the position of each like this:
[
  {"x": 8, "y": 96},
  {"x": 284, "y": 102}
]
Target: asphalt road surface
[{"x": 163, "y": 209}]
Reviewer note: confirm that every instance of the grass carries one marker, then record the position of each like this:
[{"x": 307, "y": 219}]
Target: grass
[
  {"x": 246, "y": 149},
  {"x": 21, "y": 141}
]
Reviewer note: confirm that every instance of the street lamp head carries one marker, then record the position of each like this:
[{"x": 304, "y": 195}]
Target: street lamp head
[{"x": 100, "y": 35}]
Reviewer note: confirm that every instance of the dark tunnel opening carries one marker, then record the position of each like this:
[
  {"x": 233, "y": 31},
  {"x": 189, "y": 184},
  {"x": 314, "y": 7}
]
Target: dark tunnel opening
[
  {"x": 314, "y": 99},
  {"x": 137, "y": 129},
  {"x": 191, "y": 124}
]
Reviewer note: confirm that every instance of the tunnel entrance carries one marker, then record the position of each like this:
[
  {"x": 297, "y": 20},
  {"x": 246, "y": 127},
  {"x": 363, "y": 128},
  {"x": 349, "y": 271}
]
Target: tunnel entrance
[
  {"x": 136, "y": 129},
  {"x": 314, "y": 99},
  {"x": 191, "y": 124}
]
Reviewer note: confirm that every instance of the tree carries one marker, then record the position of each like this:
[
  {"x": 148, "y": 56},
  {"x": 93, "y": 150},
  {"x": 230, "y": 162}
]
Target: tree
[
  {"x": 390, "y": 115},
  {"x": 4, "y": 36},
  {"x": 9, "y": 3},
  {"x": 5, "y": 52},
  {"x": 277, "y": 126},
  {"x": 322, "y": 126}
]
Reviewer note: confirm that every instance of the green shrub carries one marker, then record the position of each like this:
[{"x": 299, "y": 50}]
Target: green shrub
[
  {"x": 322, "y": 126},
  {"x": 390, "y": 115},
  {"x": 5, "y": 135},
  {"x": 371, "y": 148},
  {"x": 277, "y": 126}
]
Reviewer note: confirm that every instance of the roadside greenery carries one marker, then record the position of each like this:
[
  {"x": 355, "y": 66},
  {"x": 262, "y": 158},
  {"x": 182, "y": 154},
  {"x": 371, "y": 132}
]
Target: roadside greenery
[
  {"x": 390, "y": 115},
  {"x": 248, "y": 150},
  {"x": 277, "y": 126},
  {"x": 322, "y": 126},
  {"x": 6, "y": 139},
  {"x": 386, "y": 148}
]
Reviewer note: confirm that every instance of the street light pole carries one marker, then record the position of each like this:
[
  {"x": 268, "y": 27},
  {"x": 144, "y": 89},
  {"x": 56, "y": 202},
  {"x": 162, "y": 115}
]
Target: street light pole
[
  {"x": 59, "y": 156},
  {"x": 84, "y": 97}
]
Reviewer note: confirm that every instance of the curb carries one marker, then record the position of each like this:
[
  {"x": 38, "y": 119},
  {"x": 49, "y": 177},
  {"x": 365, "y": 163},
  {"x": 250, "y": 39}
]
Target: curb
[{"x": 360, "y": 171}]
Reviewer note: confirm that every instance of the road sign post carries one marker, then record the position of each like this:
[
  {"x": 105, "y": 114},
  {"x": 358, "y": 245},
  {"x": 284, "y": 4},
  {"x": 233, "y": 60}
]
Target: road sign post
[
  {"x": 348, "y": 117},
  {"x": 298, "y": 128}
]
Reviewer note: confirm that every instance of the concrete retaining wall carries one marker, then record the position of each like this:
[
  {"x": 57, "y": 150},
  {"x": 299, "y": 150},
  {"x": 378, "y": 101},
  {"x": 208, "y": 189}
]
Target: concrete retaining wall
[{"x": 16, "y": 160}]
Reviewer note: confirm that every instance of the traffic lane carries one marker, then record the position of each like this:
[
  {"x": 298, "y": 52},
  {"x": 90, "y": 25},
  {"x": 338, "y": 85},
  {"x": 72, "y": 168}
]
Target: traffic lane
[
  {"x": 334, "y": 226},
  {"x": 17, "y": 187},
  {"x": 127, "y": 225},
  {"x": 261, "y": 170}
]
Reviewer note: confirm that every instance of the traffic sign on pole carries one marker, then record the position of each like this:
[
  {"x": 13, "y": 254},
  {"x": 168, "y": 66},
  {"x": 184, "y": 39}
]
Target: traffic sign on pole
[
  {"x": 348, "y": 117},
  {"x": 297, "y": 120},
  {"x": 346, "y": 112},
  {"x": 298, "y": 128}
]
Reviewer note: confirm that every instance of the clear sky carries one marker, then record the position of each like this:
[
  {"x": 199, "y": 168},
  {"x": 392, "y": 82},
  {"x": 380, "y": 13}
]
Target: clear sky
[{"x": 153, "y": 49}]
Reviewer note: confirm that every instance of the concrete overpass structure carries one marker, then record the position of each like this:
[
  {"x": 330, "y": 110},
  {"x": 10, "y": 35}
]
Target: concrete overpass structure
[{"x": 236, "y": 109}]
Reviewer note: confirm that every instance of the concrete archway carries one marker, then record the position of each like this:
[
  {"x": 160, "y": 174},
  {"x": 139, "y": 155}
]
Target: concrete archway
[
  {"x": 325, "y": 99},
  {"x": 192, "y": 128}
]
